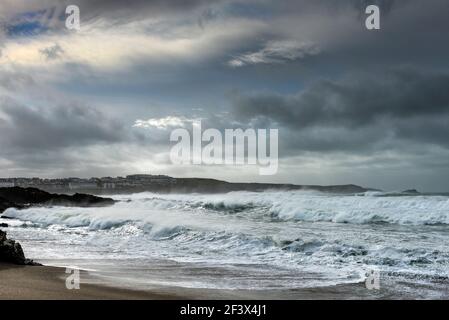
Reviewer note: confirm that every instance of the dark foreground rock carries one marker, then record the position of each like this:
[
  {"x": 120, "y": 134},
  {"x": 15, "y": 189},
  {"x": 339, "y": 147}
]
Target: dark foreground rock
[
  {"x": 17, "y": 197},
  {"x": 11, "y": 252}
]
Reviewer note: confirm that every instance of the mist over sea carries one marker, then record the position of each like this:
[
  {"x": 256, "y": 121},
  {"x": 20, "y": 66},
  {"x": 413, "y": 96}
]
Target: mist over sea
[{"x": 250, "y": 241}]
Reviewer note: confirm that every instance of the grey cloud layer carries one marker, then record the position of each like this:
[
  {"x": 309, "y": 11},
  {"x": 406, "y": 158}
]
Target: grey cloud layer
[
  {"x": 355, "y": 101},
  {"x": 51, "y": 13},
  {"x": 295, "y": 65},
  {"x": 359, "y": 112},
  {"x": 276, "y": 52},
  {"x": 25, "y": 128}
]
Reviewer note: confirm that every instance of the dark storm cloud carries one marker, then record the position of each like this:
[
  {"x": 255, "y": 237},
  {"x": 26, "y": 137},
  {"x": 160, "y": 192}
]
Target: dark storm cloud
[
  {"x": 354, "y": 101},
  {"x": 157, "y": 6},
  {"x": 69, "y": 139},
  {"x": 357, "y": 113},
  {"x": 121, "y": 11},
  {"x": 384, "y": 5},
  {"x": 328, "y": 112},
  {"x": 67, "y": 125},
  {"x": 357, "y": 5}
]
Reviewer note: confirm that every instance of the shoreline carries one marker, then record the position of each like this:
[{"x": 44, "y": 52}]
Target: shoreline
[{"x": 48, "y": 283}]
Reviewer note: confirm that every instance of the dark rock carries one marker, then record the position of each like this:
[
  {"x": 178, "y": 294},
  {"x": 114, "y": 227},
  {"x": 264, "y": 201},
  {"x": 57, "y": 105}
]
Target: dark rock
[
  {"x": 20, "y": 197},
  {"x": 79, "y": 200},
  {"x": 24, "y": 196},
  {"x": 12, "y": 252},
  {"x": 16, "y": 197},
  {"x": 4, "y": 225},
  {"x": 5, "y": 204}
]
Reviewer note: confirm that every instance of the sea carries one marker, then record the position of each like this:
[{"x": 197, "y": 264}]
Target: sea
[{"x": 273, "y": 241}]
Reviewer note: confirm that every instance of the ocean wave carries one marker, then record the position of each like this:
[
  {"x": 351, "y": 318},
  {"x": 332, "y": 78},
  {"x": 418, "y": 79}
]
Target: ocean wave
[
  {"x": 252, "y": 229},
  {"x": 364, "y": 210},
  {"x": 275, "y": 206},
  {"x": 372, "y": 207},
  {"x": 69, "y": 217},
  {"x": 214, "y": 240}
]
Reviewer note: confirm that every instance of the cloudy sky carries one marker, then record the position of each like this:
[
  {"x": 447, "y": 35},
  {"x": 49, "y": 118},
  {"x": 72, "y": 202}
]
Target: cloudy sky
[{"x": 351, "y": 105}]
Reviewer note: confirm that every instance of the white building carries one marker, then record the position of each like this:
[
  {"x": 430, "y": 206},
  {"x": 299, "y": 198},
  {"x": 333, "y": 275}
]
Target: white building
[
  {"x": 82, "y": 185},
  {"x": 6, "y": 184},
  {"x": 108, "y": 185}
]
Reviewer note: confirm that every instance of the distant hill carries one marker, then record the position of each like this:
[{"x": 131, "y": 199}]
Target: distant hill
[
  {"x": 162, "y": 184},
  {"x": 189, "y": 185}
]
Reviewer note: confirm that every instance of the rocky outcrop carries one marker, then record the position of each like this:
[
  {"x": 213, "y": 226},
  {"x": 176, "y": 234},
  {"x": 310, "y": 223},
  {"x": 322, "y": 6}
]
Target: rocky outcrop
[
  {"x": 17, "y": 197},
  {"x": 11, "y": 251},
  {"x": 5, "y": 204}
]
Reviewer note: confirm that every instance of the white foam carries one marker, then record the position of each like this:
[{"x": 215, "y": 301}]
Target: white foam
[{"x": 273, "y": 229}]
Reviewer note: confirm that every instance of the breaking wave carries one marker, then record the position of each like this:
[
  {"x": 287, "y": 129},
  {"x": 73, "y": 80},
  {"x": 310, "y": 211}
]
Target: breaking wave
[
  {"x": 287, "y": 232},
  {"x": 284, "y": 206},
  {"x": 374, "y": 207}
]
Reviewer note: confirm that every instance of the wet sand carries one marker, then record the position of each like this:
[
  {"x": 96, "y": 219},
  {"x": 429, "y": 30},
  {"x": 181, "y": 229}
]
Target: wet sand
[{"x": 48, "y": 283}]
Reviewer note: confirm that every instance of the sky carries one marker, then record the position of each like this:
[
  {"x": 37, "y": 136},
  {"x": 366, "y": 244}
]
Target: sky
[{"x": 368, "y": 107}]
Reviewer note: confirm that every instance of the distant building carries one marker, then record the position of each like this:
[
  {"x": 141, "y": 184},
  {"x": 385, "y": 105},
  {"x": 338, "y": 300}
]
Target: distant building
[
  {"x": 136, "y": 181},
  {"x": 139, "y": 177},
  {"x": 6, "y": 184},
  {"x": 149, "y": 179},
  {"x": 108, "y": 185},
  {"x": 51, "y": 186},
  {"x": 82, "y": 185}
]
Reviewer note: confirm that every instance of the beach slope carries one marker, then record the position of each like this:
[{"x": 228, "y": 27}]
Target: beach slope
[{"x": 48, "y": 283}]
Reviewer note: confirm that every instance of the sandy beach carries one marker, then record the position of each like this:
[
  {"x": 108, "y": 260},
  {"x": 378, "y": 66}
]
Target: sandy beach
[{"x": 48, "y": 283}]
